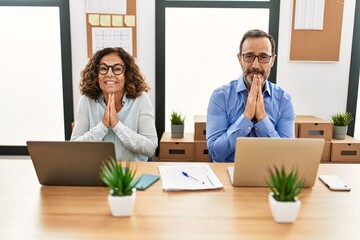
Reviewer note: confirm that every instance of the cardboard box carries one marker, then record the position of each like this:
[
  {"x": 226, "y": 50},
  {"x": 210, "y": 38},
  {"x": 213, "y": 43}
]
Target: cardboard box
[
  {"x": 347, "y": 150},
  {"x": 200, "y": 127},
  {"x": 177, "y": 149},
  {"x": 314, "y": 127},
  {"x": 326, "y": 155},
  {"x": 201, "y": 151}
]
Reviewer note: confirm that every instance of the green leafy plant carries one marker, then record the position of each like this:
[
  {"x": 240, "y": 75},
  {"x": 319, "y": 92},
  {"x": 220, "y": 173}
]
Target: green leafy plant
[
  {"x": 119, "y": 179},
  {"x": 285, "y": 186},
  {"x": 177, "y": 118},
  {"x": 342, "y": 119}
]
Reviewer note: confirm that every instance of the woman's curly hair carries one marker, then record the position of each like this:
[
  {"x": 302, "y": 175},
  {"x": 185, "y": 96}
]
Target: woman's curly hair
[{"x": 134, "y": 80}]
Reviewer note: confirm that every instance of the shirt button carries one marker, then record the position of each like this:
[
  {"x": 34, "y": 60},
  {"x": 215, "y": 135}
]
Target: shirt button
[
  {"x": 256, "y": 129},
  {"x": 249, "y": 128}
]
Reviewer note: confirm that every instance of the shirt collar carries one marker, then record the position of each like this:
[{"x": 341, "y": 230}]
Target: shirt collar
[
  {"x": 101, "y": 98},
  {"x": 125, "y": 99},
  {"x": 242, "y": 87}
]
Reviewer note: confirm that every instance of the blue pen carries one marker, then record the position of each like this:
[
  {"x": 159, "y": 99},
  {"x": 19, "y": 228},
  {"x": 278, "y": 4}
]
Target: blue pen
[{"x": 192, "y": 177}]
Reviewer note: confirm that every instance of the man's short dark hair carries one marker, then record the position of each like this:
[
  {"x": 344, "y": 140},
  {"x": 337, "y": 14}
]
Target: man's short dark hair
[{"x": 256, "y": 33}]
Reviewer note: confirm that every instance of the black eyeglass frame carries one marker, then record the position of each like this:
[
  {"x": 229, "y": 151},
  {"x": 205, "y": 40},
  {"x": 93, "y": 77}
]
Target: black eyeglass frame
[
  {"x": 256, "y": 56},
  {"x": 112, "y": 68}
]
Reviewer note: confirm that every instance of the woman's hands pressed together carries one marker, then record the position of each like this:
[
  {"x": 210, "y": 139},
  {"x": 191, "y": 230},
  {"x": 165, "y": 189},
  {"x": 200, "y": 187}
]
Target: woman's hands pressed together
[{"x": 110, "y": 117}]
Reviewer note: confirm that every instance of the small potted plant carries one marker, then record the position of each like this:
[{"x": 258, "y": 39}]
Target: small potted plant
[
  {"x": 283, "y": 201},
  {"x": 121, "y": 182},
  {"x": 341, "y": 122},
  {"x": 177, "y": 125}
]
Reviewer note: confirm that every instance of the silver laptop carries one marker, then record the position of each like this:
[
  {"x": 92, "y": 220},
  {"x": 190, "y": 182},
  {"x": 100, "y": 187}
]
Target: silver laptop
[
  {"x": 255, "y": 156},
  {"x": 69, "y": 163}
]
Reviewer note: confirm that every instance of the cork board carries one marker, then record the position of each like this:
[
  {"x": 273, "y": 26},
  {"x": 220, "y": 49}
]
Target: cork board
[
  {"x": 124, "y": 23},
  {"x": 319, "y": 45}
]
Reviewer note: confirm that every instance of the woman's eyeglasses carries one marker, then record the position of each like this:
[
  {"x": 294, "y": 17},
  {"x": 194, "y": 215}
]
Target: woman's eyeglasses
[{"x": 117, "y": 69}]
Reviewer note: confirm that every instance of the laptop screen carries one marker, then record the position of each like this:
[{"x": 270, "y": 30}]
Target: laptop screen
[
  {"x": 255, "y": 156},
  {"x": 69, "y": 163}
]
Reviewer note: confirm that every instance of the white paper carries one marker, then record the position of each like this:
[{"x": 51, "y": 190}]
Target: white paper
[
  {"x": 112, "y": 37},
  {"x": 106, "y": 6},
  {"x": 309, "y": 14},
  {"x": 173, "y": 179}
]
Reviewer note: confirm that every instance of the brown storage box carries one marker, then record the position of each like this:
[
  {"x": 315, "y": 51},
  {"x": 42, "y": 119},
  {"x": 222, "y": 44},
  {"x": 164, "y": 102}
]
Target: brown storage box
[
  {"x": 201, "y": 151},
  {"x": 314, "y": 127},
  {"x": 296, "y": 129},
  {"x": 177, "y": 149},
  {"x": 200, "y": 127},
  {"x": 326, "y": 155},
  {"x": 347, "y": 150}
]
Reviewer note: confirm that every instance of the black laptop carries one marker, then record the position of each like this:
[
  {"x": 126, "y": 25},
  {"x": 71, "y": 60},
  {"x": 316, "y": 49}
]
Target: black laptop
[{"x": 69, "y": 163}]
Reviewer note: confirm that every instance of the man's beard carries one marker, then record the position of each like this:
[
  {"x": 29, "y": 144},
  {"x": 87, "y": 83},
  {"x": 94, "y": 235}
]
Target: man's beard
[{"x": 248, "y": 79}]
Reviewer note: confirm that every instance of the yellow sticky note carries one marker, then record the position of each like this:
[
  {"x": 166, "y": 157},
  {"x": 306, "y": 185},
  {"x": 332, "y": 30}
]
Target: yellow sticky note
[
  {"x": 130, "y": 20},
  {"x": 105, "y": 20},
  {"x": 117, "y": 21},
  {"x": 94, "y": 19}
]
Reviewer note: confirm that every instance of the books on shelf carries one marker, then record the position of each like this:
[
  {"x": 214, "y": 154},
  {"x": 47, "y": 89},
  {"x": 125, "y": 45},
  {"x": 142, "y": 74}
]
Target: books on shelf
[{"x": 188, "y": 177}]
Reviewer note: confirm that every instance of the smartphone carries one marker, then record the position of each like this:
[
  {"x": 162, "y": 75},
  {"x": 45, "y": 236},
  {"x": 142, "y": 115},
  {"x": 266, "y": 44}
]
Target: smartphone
[
  {"x": 334, "y": 183},
  {"x": 146, "y": 180}
]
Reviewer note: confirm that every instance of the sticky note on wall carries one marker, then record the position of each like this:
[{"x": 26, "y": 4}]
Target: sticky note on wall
[
  {"x": 94, "y": 19},
  {"x": 105, "y": 20},
  {"x": 130, "y": 20},
  {"x": 117, "y": 21}
]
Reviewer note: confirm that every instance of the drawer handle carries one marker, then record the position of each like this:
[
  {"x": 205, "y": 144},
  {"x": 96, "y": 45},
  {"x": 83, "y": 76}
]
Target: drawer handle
[
  {"x": 316, "y": 132},
  {"x": 348, "y": 153},
  {"x": 176, "y": 151}
]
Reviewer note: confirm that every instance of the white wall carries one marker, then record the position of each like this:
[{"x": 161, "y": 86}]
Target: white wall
[
  {"x": 145, "y": 35},
  {"x": 78, "y": 44},
  {"x": 316, "y": 88}
]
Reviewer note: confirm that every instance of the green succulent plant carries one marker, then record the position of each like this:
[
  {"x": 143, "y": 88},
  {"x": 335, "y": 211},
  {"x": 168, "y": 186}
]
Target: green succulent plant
[
  {"x": 119, "y": 179},
  {"x": 285, "y": 186},
  {"x": 342, "y": 119},
  {"x": 177, "y": 118}
]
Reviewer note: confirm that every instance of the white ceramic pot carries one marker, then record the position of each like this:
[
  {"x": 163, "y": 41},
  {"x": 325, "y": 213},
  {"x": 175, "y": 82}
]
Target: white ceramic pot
[
  {"x": 122, "y": 206},
  {"x": 284, "y": 212}
]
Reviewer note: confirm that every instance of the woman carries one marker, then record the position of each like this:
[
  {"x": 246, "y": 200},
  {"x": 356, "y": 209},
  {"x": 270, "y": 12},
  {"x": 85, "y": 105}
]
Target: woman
[{"x": 115, "y": 106}]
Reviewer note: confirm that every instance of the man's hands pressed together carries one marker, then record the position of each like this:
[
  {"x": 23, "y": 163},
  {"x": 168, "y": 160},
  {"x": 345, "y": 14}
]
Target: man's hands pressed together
[{"x": 255, "y": 101}]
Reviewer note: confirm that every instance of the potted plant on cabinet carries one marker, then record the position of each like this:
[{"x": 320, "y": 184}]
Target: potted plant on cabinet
[
  {"x": 341, "y": 122},
  {"x": 121, "y": 182},
  {"x": 283, "y": 201},
  {"x": 177, "y": 125}
]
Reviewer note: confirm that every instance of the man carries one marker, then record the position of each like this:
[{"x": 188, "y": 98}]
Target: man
[{"x": 250, "y": 106}]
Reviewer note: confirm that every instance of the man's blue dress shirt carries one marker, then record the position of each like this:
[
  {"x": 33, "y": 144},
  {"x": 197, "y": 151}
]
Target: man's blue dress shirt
[{"x": 226, "y": 121}]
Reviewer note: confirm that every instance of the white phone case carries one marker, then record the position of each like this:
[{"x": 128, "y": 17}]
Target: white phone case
[{"x": 334, "y": 183}]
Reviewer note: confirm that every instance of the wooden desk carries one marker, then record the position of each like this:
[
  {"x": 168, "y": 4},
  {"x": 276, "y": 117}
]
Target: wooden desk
[{"x": 30, "y": 211}]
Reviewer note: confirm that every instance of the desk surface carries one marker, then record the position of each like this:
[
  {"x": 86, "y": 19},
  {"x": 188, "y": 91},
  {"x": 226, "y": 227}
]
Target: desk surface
[{"x": 31, "y": 211}]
